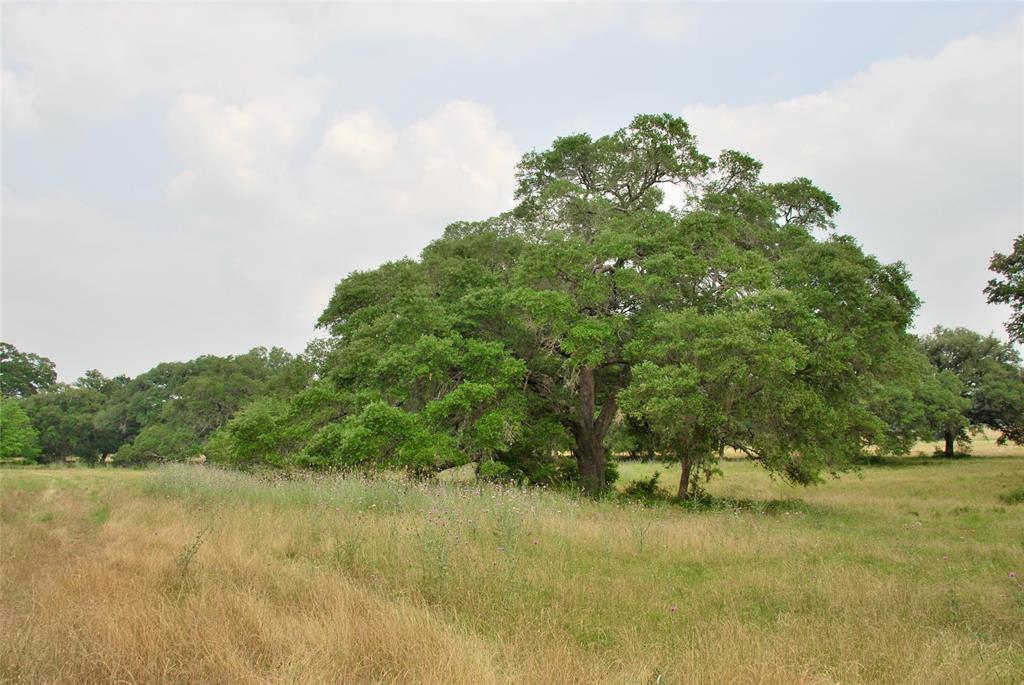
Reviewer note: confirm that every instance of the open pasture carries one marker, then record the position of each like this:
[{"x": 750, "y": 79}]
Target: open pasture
[{"x": 908, "y": 571}]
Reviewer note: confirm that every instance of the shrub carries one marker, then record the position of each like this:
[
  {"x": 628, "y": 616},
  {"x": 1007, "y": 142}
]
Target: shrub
[
  {"x": 493, "y": 471},
  {"x": 645, "y": 490}
]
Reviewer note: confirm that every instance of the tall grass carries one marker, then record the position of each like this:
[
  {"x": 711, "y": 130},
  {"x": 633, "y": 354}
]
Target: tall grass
[{"x": 187, "y": 574}]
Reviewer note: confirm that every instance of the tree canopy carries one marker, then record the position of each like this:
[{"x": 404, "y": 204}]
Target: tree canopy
[
  {"x": 64, "y": 420},
  {"x": 168, "y": 412},
  {"x": 991, "y": 381},
  {"x": 24, "y": 373},
  {"x": 18, "y": 439},
  {"x": 740, "y": 318}
]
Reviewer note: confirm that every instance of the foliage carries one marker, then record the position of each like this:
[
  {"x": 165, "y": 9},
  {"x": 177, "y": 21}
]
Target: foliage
[
  {"x": 1010, "y": 288},
  {"x": 917, "y": 402},
  {"x": 93, "y": 379},
  {"x": 493, "y": 471},
  {"x": 17, "y": 436},
  {"x": 256, "y": 434},
  {"x": 64, "y": 421},
  {"x": 645, "y": 490},
  {"x": 170, "y": 411},
  {"x": 23, "y": 373},
  {"x": 158, "y": 442},
  {"x": 407, "y": 388},
  {"x": 165, "y": 413}
]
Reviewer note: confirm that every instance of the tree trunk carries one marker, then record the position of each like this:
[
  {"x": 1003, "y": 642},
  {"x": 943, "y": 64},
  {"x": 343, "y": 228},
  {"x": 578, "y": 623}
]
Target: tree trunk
[
  {"x": 589, "y": 454},
  {"x": 949, "y": 443},
  {"x": 686, "y": 465},
  {"x": 589, "y": 430}
]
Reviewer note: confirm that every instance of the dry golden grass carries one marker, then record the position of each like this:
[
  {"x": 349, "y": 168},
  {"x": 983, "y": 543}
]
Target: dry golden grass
[{"x": 899, "y": 574}]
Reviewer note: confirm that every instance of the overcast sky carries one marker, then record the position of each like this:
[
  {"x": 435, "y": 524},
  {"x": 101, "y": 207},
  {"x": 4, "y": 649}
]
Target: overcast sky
[{"x": 187, "y": 179}]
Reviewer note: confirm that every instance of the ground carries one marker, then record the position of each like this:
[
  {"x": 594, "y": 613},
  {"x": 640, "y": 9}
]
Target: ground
[{"x": 908, "y": 571}]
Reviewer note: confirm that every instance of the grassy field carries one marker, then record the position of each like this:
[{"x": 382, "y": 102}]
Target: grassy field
[{"x": 910, "y": 571}]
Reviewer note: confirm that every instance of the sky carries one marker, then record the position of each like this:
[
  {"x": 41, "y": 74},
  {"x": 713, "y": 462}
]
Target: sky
[{"x": 185, "y": 179}]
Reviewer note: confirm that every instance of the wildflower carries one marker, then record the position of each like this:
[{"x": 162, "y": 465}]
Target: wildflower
[
  {"x": 1013, "y": 574},
  {"x": 945, "y": 557}
]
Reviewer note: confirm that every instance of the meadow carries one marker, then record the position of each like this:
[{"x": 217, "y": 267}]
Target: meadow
[{"x": 908, "y": 571}]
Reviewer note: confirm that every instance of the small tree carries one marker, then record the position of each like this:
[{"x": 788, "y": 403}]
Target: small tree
[{"x": 17, "y": 436}]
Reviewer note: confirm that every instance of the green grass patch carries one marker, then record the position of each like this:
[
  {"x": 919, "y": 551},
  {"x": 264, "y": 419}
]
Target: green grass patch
[
  {"x": 99, "y": 515},
  {"x": 1015, "y": 496}
]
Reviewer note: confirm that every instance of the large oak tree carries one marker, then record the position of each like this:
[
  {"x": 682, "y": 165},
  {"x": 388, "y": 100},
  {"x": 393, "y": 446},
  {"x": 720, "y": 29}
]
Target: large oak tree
[{"x": 739, "y": 317}]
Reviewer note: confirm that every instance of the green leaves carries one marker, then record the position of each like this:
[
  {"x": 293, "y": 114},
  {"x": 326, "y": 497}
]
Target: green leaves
[
  {"x": 800, "y": 203},
  {"x": 384, "y": 436},
  {"x": 991, "y": 377},
  {"x": 1010, "y": 288},
  {"x": 18, "y": 439},
  {"x": 728, "y": 377},
  {"x": 916, "y": 401},
  {"x": 64, "y": 420},
  {"x": 23, "y": 373},
  {"x": 589, "y": 341},
  {"x": 581, "y": 180},
  {"x": 158, "y": 442}
]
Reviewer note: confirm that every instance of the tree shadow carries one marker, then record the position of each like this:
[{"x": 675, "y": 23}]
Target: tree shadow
[
  {"x": 872, "y": 460},
  {"x": 765, "y": 507}
]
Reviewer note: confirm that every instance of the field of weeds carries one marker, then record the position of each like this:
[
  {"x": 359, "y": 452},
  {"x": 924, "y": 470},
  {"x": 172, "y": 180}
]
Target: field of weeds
[{"x": 909, "y": 571}]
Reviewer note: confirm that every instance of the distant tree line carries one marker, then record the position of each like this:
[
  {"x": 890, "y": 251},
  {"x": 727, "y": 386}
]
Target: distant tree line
[
  {"x": 589, "y": 319},
  {"x": 167, "y": 413}
]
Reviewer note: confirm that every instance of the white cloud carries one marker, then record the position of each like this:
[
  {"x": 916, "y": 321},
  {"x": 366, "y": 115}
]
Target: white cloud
[
  {"x": 455, "y": 159},
  {"x": 362, "y": 139},
  {"x": 82, "y": 63},
  {"x": 665, "y": 22},
  {"x": 926, "y": 155},
  {"x": 241, "y": 150},
  {"x": 86, "y": 62},
  {"x": 18, "y": 103},
  {"x": 375, "y": 192},
  {"x": 474, "y": 26},
  {"x": 453, "y": 163}
]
